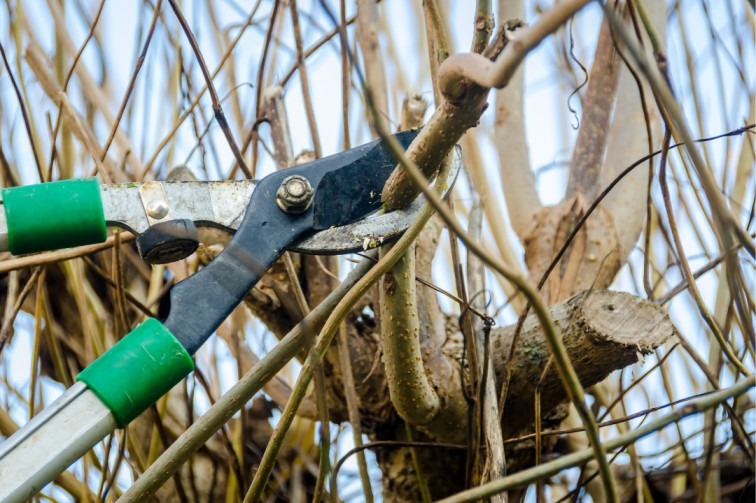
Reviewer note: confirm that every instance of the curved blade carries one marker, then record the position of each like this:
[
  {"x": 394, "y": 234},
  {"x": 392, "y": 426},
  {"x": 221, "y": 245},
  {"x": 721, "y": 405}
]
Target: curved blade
[
  {"x": 372, "y": 231},
  {"x": 354, "y": 190}
]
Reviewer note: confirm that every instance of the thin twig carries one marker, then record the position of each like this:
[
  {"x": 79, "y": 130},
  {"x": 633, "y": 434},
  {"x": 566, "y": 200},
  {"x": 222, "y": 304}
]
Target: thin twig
[
  {"x": 24, "y": 114},
  {"x": 65, "y": 87},
  {"x": 217, "y": 108}
]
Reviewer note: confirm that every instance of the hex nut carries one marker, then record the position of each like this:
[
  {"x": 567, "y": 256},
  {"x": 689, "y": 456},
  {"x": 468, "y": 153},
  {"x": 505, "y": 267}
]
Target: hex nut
[{"x": 294, "y": 195}]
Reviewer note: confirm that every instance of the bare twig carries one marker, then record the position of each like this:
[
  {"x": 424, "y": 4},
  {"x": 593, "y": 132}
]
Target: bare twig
[
  {"x": 25, "y": 115},
  {"x": 490, "y": 426},
  {"x": 65, "y": 85},
  {"x": 217, "y": 108}
]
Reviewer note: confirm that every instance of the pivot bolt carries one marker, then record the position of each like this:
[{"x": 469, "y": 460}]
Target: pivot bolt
[{"x": 295, "y": 194}]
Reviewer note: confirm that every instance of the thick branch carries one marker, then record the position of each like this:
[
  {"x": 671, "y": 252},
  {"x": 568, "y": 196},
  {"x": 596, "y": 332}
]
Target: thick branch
[
  {"x": 411, "y": 392},
  {"x": 509, "y": 130},
  {"x": 628, "y": 141},
  {"x": 590, "y": 146},
  {"x": 444, "y": 129},
  {"x": 602, "y": 331},
  {"x": 465, "y": 80}
]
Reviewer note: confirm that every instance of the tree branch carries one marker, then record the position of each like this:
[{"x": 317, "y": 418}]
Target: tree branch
[
  {"x": 411, "y": 391},
  {"x": 464, "y": 81},
  {"x": 629, "y": 140},
  {"x": 517, "y": 180},
  {"x": 588, "y": 156}
]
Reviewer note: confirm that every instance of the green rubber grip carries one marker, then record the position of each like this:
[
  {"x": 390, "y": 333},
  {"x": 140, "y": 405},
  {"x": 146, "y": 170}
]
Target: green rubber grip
[
  {"x": 55, "y": 215},
  {"x": 134, "y": 373}
]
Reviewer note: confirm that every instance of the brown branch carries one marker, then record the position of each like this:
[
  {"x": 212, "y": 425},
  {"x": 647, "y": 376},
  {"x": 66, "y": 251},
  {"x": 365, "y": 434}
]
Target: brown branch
[
  {"x": 58, "y": 256},
  {"x": 444, "y": 129},
  {"x": 217, "y": 108},
  {"x": 635, "y": 131},
  {"x": 588, "y": 156},
  {"x": 601, "y": 330},
  {"x": 464, "y": 81},
  {"x": 275, "y": 113}
]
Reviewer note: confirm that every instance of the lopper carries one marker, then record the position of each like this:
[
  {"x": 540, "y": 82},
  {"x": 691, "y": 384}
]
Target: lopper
[{"x": 327, "y": 206}]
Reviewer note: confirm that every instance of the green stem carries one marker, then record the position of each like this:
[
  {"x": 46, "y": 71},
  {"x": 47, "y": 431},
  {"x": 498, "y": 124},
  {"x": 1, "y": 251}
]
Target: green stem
[{"x": 484, "y": 24}]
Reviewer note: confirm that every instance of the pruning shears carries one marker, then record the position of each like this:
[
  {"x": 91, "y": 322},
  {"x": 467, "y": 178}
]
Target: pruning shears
[{"x": 323, "y": 207}]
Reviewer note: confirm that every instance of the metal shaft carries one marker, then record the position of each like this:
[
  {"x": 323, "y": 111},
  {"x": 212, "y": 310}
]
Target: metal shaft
[{"x": 55, "y": 438}]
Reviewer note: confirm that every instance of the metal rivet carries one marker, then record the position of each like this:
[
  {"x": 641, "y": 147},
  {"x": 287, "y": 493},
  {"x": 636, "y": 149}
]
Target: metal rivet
[
  {"x": 157, "y": 209},
  {"x": 294, "y": 195}
]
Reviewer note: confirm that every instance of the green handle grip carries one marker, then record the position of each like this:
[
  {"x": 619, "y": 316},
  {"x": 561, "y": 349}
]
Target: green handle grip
[
  {"x": 51, "y": 216},
  {"x": 141, "y": 368}
]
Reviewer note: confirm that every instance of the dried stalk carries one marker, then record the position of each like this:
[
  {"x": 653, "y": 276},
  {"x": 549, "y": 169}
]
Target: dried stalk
[{"x": 304, "y": 81}]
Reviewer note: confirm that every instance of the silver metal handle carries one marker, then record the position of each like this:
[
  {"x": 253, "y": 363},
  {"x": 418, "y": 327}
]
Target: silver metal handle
[{"x": 55, "y": 438}]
